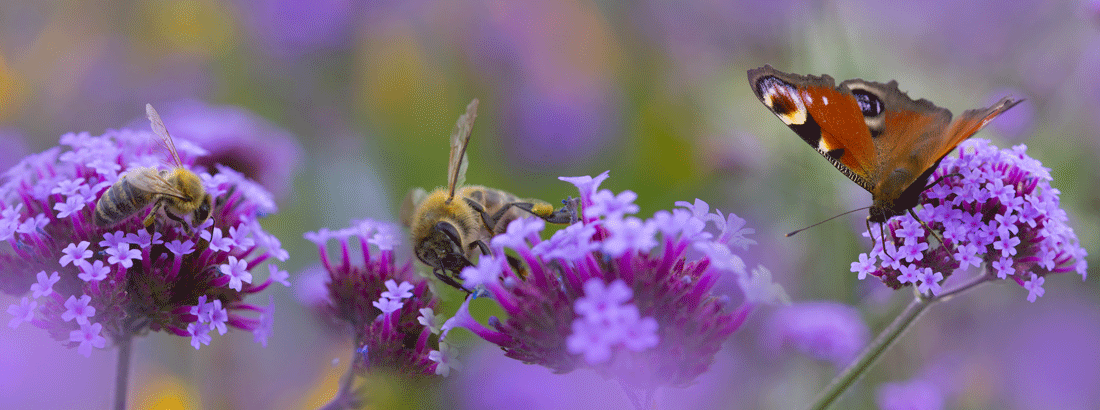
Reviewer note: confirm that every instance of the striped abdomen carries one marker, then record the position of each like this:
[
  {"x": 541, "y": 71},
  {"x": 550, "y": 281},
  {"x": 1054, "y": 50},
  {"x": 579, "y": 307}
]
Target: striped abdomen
[{"x": 119, "y": 202}]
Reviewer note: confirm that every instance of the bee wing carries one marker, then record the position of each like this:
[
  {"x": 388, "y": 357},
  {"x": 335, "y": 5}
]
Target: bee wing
[
  {"x": 460, "y": 138},
  {"x": 149, "y": 180},
  {"x": 158, "y": 128},
  {"x": 408, "y": 206}
]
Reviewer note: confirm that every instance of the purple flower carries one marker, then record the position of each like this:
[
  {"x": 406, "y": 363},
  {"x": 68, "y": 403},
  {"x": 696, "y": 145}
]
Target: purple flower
[
  {"x": 78, "y": 309},
  {"x": 75, "y": 253},
  {"x": 613, "y": 290},
  {"x": 995, "y": 208},
  {"x": 1034, "y": 287},
  {"x": 123, "y": 255},
  {"x": 277, "y": 275},
  {"x": 133, "y": 281},
  {"x": 237, "y": 271},
  {"x": 369, "y": 283},
  {"x": 444, "y": 359},
  {"x": 23, "y": 312},
  {"x": 397, "y": 292},
  {"x": 218, "y": 243},
  {"x": 95, "y": 271},
  {"x": 824, "y": 330},
  {"x": 87, "y": 337},
  {"x": 44, "y": 287}
]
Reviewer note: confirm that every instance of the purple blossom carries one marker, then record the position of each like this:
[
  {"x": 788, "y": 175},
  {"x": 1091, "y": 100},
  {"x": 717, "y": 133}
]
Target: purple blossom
[
  {"x": 95, "y": 271},
  {"x": 78, "y": 309},
  {"x": 142, "y": 239},
  {"x": 1034, "y": 287},
  {"x": 237, "y": 271},
  {"x": 113, "y": 239},
  {"x": 44, "y": 287},
  {"x": 180, "y": 248},
  {"x": 23, "y": 312},
  {"x": 444, "y": 359},
  {"x": 518, "y": 233},
  {"x": 135, "y": 281},
  {"x": 88, "y": 336},
  {"x": 611, "y": 206},
  {"x": 277, "y": 275},
  {"x": 218, "y": 243},
  {"x": 123, "y": 255},
  {"x": 1001, "y": 214},
  {"x": 486, "y": 272},
  {"x": 362, "y": 283},
  {"x": 71, "y": 205},
  {"x": 266, "y": 320},
  {"x": 611, "y": 290},
  {"x": 397, "y": 292},
  {"x": 865, "y": 265},
  {"x": 200, "y": 334},
  {"x": 628, "y": 235},
  {"x": 930, "y": 282},
  {"x": 75, "y": 253},
  {"x": 387, "y": 305}
]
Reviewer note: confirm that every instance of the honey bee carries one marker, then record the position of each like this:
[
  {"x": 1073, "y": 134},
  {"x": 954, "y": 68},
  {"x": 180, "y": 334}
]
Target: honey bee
[
  {"x": 451, "y": 224},
  {"x": 178, "y": 192}
]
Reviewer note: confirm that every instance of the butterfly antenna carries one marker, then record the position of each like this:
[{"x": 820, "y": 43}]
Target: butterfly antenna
[{"x": 827, "y": 220}]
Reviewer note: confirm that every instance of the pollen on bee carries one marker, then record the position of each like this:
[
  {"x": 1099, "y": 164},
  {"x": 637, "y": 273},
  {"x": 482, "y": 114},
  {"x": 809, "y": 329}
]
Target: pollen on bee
[{"x": 542, "y": 209}]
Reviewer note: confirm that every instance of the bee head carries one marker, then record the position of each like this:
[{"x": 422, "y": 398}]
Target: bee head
[
  {"x": 442, "y": 248},
  {"x": 202, "y": 213}
]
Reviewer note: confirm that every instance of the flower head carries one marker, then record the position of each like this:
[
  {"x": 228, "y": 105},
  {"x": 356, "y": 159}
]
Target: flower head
[
  {"x": 992, "y": 207},
  {"x": 629, "y": 297},
  {"x": 380, "y": 301},
  {"x": 113, "y": 282}
]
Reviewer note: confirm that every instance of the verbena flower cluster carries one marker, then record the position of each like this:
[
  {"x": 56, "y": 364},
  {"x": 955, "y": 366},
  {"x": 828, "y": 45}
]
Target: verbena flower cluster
[
  {"x": 629, "y": 297},
  {"x": 91, "y": 284},
  {"x": 993, "y": 208},
  {"x": 389, "y": 308}
]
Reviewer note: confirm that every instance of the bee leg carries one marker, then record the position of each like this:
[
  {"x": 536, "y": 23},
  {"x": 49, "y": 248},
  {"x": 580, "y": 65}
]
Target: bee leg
[
  {"x": 151, "y": 219},
  {"x": 450, "y": 280},
  {"x": 481, "y": 245},
  {"x": 486, "y": 219},
  {"x": 174, "y": 217},
  {"x": 567, "y": 214}
]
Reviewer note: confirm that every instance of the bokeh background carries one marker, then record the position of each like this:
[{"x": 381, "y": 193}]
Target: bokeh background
[{"x": 340, "y": 107}]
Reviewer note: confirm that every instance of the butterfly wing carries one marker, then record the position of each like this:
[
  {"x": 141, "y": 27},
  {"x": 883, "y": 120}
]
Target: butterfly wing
[
  {"x": 460, "y": 139},
  {"x": 825, "y": 116}
]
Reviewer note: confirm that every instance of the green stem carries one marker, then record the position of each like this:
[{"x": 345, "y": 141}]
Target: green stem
[
  {"x": 842, "y": 382},
  {"x": 122, "y": 371}
]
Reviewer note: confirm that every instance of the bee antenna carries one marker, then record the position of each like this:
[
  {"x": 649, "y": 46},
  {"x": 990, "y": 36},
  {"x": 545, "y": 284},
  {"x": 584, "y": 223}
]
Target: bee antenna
[{"x": 827, "y": 220}]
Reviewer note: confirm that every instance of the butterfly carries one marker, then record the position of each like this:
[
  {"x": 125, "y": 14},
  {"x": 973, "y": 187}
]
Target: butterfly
[{"x": 872, "y": 132}]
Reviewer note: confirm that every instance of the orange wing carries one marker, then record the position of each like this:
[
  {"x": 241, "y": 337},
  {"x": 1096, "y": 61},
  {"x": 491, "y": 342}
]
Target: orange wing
[{"x": 825, "y": 116}]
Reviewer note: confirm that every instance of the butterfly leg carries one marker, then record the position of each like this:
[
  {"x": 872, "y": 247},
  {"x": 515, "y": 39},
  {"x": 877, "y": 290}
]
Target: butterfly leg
[
  {"x": 929, "y": 228},
  {"x": 882, "y": 236}
]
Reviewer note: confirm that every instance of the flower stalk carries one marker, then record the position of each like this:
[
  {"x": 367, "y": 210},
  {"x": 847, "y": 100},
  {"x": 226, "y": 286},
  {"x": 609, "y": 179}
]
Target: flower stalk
[{"x": 867, "y": 358}]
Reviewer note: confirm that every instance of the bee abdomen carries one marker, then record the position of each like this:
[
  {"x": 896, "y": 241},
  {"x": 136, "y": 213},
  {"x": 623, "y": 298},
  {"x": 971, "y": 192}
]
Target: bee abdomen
[{"x": 119, "y": 202}]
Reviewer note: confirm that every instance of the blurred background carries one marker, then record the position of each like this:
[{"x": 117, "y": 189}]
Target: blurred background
[{"x": 340, "y": 107}]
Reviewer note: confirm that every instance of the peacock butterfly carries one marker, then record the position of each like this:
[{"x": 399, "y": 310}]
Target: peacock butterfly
[{"x": 872, "y": 132}]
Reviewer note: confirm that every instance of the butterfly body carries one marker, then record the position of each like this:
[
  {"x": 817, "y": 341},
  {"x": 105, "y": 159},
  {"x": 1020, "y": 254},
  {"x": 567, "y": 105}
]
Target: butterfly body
[{"x": 872, "y": 132}]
